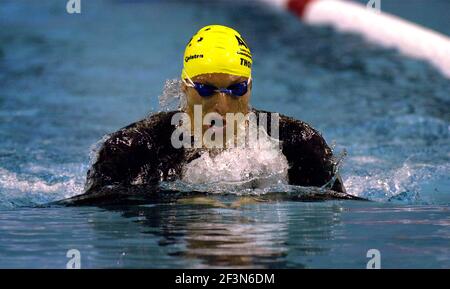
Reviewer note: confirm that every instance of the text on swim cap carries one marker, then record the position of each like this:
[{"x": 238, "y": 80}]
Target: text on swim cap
[
  {"x": 246, "y": 63},
  {"x": 187, "y": 58}
]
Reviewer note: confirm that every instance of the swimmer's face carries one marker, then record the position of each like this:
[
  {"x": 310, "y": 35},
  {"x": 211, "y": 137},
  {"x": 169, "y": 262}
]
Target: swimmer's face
[{"x": 219, "y": 102}]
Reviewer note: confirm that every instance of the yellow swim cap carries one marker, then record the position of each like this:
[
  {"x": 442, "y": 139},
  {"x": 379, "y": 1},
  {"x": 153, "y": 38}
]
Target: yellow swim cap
[{"x": 217, "y": 49}]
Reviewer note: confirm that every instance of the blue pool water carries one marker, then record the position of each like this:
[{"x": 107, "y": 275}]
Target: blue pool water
[{"x": 67, "y": 80}]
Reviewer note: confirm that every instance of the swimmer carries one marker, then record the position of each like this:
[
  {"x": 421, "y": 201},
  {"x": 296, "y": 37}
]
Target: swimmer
[{"x": 216, "y": 76}]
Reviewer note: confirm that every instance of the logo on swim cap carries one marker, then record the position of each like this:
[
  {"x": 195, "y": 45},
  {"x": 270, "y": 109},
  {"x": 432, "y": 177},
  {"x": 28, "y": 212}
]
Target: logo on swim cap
[
  {"x": 241, "y": 41},
  {"x": 217, "y": 49},
  {"x": 186, "y": 59}
]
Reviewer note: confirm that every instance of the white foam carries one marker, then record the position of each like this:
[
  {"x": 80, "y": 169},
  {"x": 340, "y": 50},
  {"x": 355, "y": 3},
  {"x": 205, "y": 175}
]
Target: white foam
[
  {"x": 255, "y": 166},
  {"x": 29, "y": 190},
  {"x": 407, "y": 179}
]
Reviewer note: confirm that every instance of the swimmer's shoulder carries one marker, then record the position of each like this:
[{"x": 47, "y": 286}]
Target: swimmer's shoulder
[
  {"x": 310, "y": 158},
  {"x": 292, "y": 130},
  {"x": 156, "y": 121},
  {"x": 153, "y": 128},
  {"x": 133, "y": 152},
  {"x": 128, "y": 147}
]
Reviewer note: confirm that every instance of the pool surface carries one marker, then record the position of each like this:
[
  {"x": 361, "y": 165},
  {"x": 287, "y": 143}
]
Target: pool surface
[{"x": 67, "y": 80}]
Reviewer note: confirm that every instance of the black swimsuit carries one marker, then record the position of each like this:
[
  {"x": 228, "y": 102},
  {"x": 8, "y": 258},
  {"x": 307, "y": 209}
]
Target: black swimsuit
[{"x": 140, "y": 155}]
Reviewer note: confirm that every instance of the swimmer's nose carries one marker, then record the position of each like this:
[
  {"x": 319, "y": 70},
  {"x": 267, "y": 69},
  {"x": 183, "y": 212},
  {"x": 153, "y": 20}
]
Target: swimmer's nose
[{"x": 221, "y": 105}]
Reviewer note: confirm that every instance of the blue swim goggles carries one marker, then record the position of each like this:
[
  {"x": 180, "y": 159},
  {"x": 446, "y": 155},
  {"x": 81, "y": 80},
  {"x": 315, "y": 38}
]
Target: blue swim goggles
[{"x": 206, "y": 90}]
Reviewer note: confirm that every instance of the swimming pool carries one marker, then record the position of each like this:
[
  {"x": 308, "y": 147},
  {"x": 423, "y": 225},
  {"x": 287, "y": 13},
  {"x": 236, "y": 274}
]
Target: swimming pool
[{"x": 67, "y": 80}]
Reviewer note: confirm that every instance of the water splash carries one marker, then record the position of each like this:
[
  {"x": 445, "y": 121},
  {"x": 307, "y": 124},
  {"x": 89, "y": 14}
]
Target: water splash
[
  {"x": 406, "y": 184},
  {"x": 29, "y": 189},
  {"x": 172, "y": 97},
  {"x": 240, "y": 168},
  {"x": 337, "y": 165},
  {"x": 95, "y": 149}
]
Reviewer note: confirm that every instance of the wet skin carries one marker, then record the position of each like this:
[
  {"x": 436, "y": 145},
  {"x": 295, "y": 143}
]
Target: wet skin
[{"x": 219, "y": 102}]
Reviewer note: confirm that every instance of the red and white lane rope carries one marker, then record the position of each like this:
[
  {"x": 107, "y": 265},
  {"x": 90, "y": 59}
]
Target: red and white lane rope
[{"x": 382, "y": 28}]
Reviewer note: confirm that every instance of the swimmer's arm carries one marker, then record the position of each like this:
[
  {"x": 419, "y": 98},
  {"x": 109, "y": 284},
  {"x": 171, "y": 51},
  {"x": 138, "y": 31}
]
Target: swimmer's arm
[
  {"x": 135, "y": 157},
  {"x": 310, "y": 158},
  {"x": 119, "y": 160}
]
